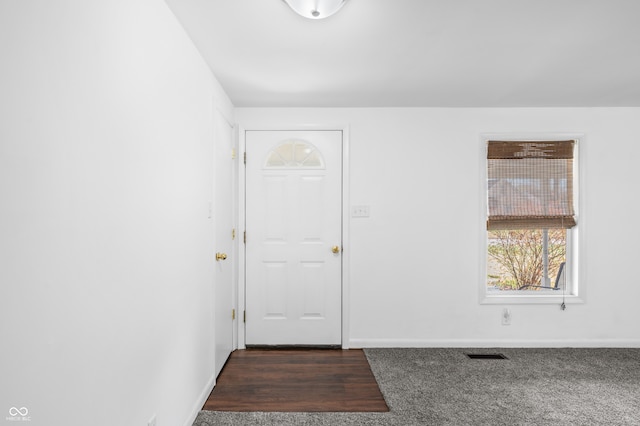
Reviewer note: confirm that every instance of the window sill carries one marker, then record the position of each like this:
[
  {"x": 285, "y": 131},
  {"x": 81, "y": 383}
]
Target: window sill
[{"x": 518, "y": 298}]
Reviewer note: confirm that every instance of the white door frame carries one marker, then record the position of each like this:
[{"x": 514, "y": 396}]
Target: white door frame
[{"x": 345, "y": 222}]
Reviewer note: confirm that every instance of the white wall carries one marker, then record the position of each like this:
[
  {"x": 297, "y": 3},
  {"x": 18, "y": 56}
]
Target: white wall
[
  {"x": 105, "y": 246},
  {"x": 416, "y": 262}
]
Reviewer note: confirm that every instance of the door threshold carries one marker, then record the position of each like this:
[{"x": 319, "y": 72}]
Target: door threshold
[{"x": 292, "y": 347}]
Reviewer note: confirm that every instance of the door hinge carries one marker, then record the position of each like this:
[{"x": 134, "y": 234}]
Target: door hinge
[
  {"x": 245, "y": 237},
  {"x": 244, "y": 316},
  {"x": 233, "y": 234},
  {"x": 233, "y": 153},
  {"x": 233, "y": 314},
  {"x": 245, "y": 158}
]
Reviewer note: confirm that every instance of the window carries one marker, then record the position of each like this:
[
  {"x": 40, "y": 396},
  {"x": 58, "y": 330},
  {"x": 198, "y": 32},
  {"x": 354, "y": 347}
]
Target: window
[
  {"x": 531, "y": 219},
  {"x": 297, "y": 154}
]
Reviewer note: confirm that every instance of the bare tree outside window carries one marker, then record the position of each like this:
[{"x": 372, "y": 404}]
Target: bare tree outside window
[{"x": 517, "y": 257}]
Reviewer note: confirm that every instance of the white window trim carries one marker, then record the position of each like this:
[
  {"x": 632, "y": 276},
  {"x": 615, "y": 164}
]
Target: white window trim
[{"x": 576, "y": 253}]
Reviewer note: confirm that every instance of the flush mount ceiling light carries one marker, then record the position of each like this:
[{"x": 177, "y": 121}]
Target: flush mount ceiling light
[{"x": 315, "y": 9}]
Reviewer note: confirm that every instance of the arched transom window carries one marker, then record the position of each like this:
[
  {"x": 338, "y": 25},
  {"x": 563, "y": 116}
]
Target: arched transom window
[{"x": 296, "y": 154}]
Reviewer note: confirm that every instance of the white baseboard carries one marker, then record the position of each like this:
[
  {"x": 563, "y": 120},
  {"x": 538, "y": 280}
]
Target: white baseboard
[
  {"x": 471, "y": 343},
  {"x": 201, "y": 400}
]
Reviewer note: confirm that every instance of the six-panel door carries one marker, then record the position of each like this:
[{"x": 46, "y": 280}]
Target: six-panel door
[{"x": 294, "y": 229}]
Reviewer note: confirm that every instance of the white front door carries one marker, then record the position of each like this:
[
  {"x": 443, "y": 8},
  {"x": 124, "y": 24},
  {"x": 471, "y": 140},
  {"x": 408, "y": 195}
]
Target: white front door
[
  {"x": 294, "y": 237},
  {"x": 223, "y": 239}
]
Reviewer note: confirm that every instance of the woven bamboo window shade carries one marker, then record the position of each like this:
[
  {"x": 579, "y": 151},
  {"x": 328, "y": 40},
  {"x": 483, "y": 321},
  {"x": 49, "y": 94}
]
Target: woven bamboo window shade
[{"x": 530, "y": 185}]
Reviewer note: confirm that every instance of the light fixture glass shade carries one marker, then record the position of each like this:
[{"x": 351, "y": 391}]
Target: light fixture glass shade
[{"x": 315, "y": 9}]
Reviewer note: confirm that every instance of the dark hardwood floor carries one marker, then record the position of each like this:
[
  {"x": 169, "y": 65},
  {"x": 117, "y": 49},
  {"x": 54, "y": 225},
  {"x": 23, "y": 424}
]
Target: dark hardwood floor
[{"x": 297, "y": 380}]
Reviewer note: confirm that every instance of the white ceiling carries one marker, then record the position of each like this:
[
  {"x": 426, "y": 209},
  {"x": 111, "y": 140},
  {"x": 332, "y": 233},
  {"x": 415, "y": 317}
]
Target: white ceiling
[{"x": 434, "y": 53}]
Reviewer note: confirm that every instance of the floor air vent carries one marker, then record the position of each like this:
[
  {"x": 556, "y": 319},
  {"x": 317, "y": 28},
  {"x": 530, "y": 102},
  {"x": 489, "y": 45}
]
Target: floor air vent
[{"x": 486, "y": 356}]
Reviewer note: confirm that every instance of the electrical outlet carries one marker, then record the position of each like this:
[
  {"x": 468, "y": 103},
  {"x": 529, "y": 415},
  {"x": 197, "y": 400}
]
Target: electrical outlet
[
  {"x": 506, "y": 316},
  {"x": 359, "y": 211},
  {"x": 152, "y": 421}
]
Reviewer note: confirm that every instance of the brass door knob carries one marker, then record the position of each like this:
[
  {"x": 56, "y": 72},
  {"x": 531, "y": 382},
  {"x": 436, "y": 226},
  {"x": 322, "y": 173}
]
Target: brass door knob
[
  {"x": 221, "y": 256},
  {"x": 335, "y": 249}
]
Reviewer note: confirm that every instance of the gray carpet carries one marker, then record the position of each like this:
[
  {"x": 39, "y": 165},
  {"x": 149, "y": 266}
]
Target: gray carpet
[{"x": 444, "y": 387}]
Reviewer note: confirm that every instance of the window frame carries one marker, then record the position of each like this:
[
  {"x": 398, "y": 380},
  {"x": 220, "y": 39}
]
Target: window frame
[{"x": 575, "y": 236}]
